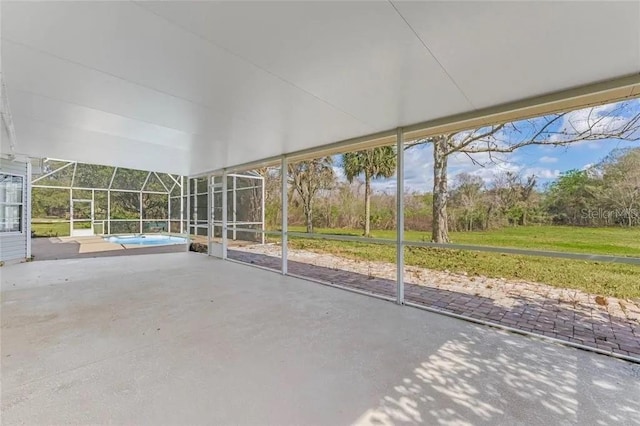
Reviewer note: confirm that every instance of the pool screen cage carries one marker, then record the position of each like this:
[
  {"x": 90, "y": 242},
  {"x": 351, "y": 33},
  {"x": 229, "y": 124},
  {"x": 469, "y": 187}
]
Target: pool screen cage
[{"x": 78, "y": 199}]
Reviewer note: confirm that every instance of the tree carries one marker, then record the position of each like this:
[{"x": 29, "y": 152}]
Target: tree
[
  {"x": 570, "y": 196},
  {"x": 373, "y": 163},
  {"x": 468, "y": 195},
  {"x": 273, "y": 196},
  {"x": 307, "y": 178},
  {"x": 619, "y": 121},
  {"x": 621, "y": 183},
  {"x": 124, "y": 204},
  {"x": 512, "y": 194}
]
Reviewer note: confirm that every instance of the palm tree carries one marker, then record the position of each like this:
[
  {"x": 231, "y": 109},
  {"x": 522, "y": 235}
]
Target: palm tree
[{"x": 373, "y": 163}]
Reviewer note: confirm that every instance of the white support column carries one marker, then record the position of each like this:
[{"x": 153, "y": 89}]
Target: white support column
[
  {"x": 169, "y": 212},
  {"x": 113, "y": 176},
  {"x": 285, "y": 203},
  {"x": 234, "y": 205},
  {"x": 26, "y": 213},
  {"x": 224, "y": 215},
  {"x": 263, "y": 225},
  {"x": 71, "y": 211},
  {"x": 182, "y": 204},
  {"x": 209, "y": 224},
  {"x": 400, "y": 216},
  {"x": 93, "y": 211},
  {"x": 108, "y": 212},
  {"x": 142, "y": 189},
  {"x": 188, "y": 207},
  {"x": 194, "y": 214}
]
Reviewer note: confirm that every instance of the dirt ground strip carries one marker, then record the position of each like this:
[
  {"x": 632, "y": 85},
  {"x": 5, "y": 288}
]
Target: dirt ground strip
[{"x": 606, "y": 323}]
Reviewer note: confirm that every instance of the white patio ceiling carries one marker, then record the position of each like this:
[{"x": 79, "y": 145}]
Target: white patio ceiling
[{"x": 187, "y": 87}]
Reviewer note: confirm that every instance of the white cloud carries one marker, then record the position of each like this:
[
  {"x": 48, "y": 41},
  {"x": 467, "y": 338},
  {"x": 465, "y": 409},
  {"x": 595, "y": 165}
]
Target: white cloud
[
  {"x": 339, "y": 172},
  {"x": 541, "y": 173},
  {"x": 419, "y": 167},
  {"x": 548, "y": 160}
]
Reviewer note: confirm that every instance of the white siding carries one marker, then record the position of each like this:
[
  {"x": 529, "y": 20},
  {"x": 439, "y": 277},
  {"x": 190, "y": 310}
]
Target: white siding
[{"x": 16, "y": 246}]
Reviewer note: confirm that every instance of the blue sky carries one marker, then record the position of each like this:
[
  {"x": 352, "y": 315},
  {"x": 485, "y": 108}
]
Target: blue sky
[{"x": 545, "y": 162}]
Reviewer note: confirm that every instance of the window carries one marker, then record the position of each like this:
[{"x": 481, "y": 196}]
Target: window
[{"x": 11, "y": 203}]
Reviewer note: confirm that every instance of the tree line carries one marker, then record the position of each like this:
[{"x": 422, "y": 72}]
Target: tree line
[
  {"x": 605, "y": 194},
  {"x": 51, "y": 201},
  {"x": 610, "y": 196}
]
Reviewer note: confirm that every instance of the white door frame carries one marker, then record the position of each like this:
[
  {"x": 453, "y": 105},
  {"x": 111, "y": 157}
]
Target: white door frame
[
  {"x": 82, "y": 232},
  {"x": 216, "y": 248}
]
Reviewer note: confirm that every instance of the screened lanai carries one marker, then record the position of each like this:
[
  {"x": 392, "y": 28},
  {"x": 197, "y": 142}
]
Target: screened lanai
[{"x": 177, "y": 97}]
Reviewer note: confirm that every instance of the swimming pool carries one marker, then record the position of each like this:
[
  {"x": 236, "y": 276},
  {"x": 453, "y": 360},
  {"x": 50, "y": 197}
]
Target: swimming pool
[{"x": 146, "y": 240}]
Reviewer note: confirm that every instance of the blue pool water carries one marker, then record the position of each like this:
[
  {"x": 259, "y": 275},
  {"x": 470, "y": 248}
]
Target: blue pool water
[{"x": 146, "y": 240}]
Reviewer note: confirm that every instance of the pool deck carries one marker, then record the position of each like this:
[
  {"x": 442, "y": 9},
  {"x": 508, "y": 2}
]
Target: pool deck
[{"x": 94, "y": 246}]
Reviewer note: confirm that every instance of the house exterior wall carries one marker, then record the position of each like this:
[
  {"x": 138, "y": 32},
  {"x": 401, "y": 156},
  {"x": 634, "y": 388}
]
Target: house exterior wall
[{"x": 16, "y": 246}]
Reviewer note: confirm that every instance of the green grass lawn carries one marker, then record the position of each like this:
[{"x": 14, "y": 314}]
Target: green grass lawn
[
  {"x": 605, "y": 241},
  {"x": 50, "y": 228},
  {"x": 608, "y": 279}
]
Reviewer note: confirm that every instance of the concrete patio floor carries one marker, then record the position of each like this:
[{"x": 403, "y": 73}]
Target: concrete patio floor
[
  {"x": 543, "y": 310},
  {"x": 186, "y": 339}
]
